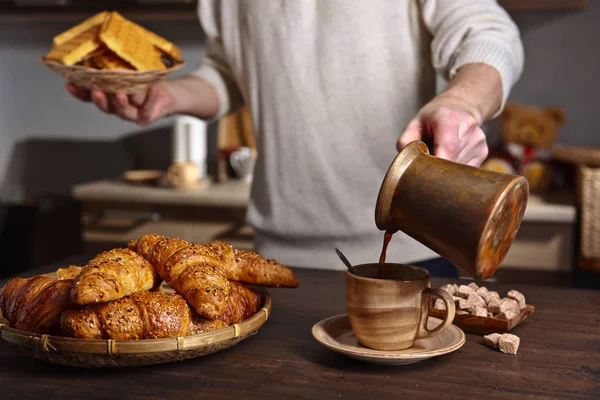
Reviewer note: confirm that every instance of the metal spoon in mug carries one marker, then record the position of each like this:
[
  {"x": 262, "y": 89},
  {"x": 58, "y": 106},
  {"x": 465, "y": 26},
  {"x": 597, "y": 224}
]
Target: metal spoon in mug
[{"x": 345, "y": 261}]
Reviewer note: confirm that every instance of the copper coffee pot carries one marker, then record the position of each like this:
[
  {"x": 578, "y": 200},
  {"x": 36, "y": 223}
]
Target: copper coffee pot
[{"x": 468, "y": 215}]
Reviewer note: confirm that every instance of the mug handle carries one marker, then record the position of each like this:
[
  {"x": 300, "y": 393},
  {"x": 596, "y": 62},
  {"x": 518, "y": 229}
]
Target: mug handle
[{"x": 429, "y": 294}]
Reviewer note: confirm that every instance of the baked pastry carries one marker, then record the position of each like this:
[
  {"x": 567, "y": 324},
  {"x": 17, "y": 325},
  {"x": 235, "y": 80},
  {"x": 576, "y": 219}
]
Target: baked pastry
[
  {"x": 143, "y": 315},
  {"x": 70, "y": 272},
  {"x": 191, "y": 270},
  {"x": 252, "y": 268},
  {"x": 112, "y": 275},
  {"x": 243, "y": 303},
  {"x": 35, "y": 304}
]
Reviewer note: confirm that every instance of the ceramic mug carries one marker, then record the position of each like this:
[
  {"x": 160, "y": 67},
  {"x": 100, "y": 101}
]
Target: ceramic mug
[
  {"x": 242, "y": 161},
  {"x": 390, "y": 311}
]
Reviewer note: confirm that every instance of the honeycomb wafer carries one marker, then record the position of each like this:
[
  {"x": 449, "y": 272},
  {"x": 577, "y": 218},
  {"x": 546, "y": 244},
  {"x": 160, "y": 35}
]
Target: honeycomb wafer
[
  {"x": 74, "y": 50},
  {"x": 95, "y": 20},
  {"x": 109, "y": 60},
  {"x": 129, "y": 42},
  {"x": 99, "y": 51},
  {"x": 168, "y": 47},
  {"x": 163, "y": 44}
]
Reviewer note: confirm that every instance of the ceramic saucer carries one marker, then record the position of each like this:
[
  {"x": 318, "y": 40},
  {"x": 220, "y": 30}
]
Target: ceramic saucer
[{"x": 336, "y": 334}]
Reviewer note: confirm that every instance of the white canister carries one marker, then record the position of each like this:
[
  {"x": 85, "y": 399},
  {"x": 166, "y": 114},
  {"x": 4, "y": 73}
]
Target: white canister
[{"x": 190, "y": 142}]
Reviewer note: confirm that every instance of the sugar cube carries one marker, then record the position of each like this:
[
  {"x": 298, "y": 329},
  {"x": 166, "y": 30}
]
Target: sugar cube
[
  {"x": 491, "y": 295},
  {"x": 518, "y": 297},
  {"x": 508, "y": 343},
  {"x": 508, "y": 304},
  {"x": 491, "y": 340},
  {"x": 482, "y": 290},
  {"x": 508, "y": 314},
  {"x": 475, "y": 300},
  {"x": 494, "y": 306},
  {"x": 440, "y": 305},
  {"x": 463, "y": 304},
  {"x": 448, "y": 288},
  {"x": 478, "y": 311},
  {"x": 464, "y": 291}
]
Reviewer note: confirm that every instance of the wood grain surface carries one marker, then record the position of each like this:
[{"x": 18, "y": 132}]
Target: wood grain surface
[{"x": 559, "y": 358}]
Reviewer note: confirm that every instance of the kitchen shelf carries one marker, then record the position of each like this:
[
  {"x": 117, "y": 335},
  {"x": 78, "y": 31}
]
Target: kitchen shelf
[
  {"x": 540, "y": 5},
  {"x": 76, "y": 14}
]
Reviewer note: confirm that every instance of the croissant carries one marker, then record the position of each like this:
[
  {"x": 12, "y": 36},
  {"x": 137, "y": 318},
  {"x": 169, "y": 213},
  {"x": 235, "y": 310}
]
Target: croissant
[
  {"x": 143, "y": 315},
  {"x": 70, "y": 272},
  {"x": 240, "y": 265},
  {"x": 35, "y": 304},
  {"x": 191, "y": 270},
  {"x": 112, "y": 275},
  {"x": 243, "y": 303},
  {"x": 252, "y": 268}
]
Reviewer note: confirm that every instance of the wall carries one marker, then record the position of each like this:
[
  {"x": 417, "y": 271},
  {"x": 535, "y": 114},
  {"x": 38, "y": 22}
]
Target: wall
[
  {"x": 562, "y": 68},
  {"x": 34, "y": 103}
]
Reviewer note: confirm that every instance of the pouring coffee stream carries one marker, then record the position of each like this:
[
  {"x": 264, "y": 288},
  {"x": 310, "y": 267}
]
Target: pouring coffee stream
[{"x": 386, "y": 241}]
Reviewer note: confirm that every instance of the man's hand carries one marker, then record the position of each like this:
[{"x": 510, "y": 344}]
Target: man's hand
[
  {"x": 452, "y": 128},
  {"x": 142, "y": 108},
  {"x": 189, "y": 95},
  {"x": 452, "y": 120}
]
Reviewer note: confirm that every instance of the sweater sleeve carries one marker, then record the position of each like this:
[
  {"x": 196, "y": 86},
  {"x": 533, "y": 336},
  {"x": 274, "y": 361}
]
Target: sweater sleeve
[
  {"x": 214, "y": 67},
  {"x": 474, "y": 31}
]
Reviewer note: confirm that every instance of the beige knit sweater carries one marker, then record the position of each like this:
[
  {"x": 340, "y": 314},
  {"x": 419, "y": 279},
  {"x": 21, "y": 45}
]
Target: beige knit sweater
[{"x": 330, "y": 85}]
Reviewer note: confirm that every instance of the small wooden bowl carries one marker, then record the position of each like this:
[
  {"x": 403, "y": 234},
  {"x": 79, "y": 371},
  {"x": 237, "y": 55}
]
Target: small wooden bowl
[
  {"x": 85, "y": 353},
  {"x": 146, "y": 176},
  {"x": 110, "y": 81},
  {"x": 484, "y": 325}
]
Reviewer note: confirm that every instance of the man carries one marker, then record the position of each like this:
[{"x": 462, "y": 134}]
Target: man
[{"x": 335, "y": 88}]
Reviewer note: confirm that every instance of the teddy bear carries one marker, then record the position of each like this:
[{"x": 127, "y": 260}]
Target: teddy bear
[{"x": 528, "y": 133}]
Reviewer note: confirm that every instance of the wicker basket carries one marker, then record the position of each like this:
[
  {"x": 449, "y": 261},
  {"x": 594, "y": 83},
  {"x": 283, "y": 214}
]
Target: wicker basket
[
  {"x": 588, "y": 197},
  {"x": 110, "y": 81},
  {"x": 131, "y": 353}
]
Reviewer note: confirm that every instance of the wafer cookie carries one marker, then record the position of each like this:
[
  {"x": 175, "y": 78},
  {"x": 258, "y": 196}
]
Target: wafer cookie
[
  {"x": 98, "y": 52},
  {"x": 109, "y": 60},
  {"x": 166, "y": 46},
  {"x": 125, "y": 39},
  {"x": 95, "y": 20},
  {"x": 74, "y": 50}
]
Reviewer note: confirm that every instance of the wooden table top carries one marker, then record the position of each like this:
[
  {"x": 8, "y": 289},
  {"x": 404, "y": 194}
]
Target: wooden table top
[
  {"x": 554, "y": 207},
  {"x": 559, "y": 358},
  {"x": 233, "y": 193}
]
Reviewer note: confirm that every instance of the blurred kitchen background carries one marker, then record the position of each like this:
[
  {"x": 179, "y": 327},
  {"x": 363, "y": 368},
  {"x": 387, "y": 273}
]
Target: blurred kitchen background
[{"x": 62, "y": 163}]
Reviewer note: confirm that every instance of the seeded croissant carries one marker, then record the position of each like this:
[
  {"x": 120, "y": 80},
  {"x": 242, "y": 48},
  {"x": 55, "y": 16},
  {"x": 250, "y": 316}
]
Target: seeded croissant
[
  {"x": 252, "y": 268},
  {"x": 239, "y": 265},
  {"x": 243, "y": 303},
  {"x": 190, "y": 269},
  {"x": 143, "y": 315},
  {"x": 112, "y": 275}
]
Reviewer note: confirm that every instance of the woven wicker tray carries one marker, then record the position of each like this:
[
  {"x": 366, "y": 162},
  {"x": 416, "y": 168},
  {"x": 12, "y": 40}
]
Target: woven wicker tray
[
  {"x": 130, "y": 353},
  {"x": 110, "y": 81}
]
